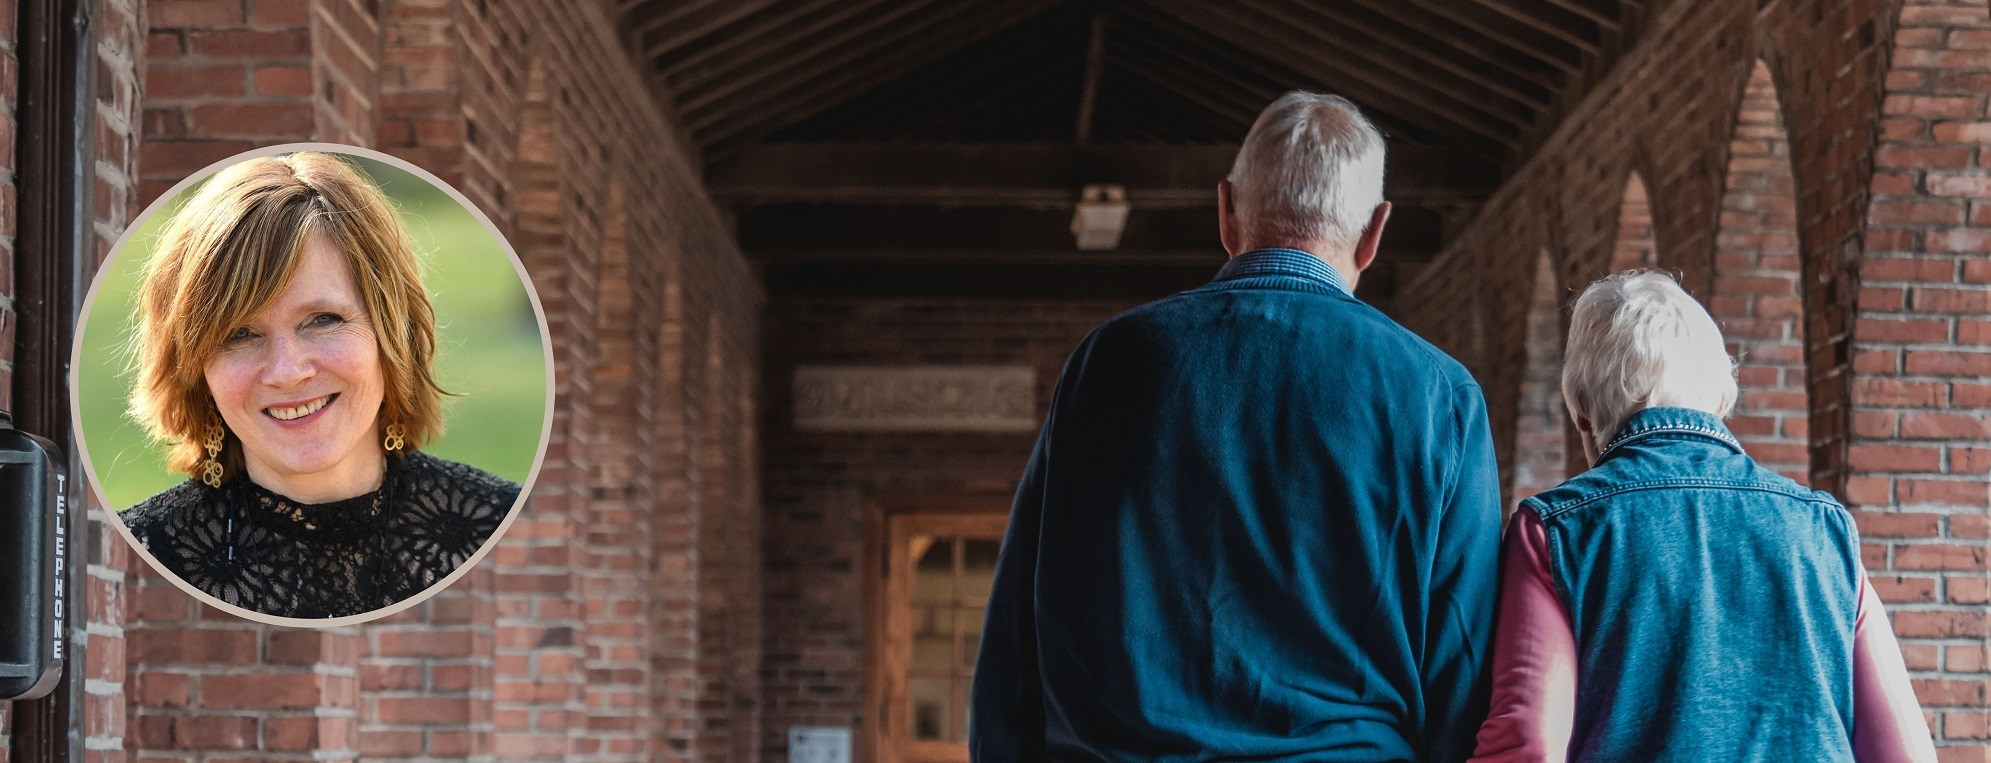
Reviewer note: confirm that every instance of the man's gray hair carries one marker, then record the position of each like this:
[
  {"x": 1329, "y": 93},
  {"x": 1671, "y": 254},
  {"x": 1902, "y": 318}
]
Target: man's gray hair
[
  {"x": 1637, "y": 341},
  {"x": 1311, "y": 169}
]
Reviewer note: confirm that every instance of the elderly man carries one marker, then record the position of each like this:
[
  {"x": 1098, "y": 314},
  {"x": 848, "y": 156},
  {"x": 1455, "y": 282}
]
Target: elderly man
[{"x": 1261, "y": 520}]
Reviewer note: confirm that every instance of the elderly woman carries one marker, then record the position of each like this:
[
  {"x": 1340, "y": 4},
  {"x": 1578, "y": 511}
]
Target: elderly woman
[
  {"x": 285, "y": 353},
  {"x": 1677, "y": 601}
]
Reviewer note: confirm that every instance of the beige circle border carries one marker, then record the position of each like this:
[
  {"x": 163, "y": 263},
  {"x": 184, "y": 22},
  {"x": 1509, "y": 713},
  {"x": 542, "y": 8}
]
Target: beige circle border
[{"x": 545, "y": 347}]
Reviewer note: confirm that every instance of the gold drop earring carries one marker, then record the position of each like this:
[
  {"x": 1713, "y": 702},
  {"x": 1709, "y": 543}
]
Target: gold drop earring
[
  {"x": 394, "y": 440},
  {"x": 210, "y": 469}
]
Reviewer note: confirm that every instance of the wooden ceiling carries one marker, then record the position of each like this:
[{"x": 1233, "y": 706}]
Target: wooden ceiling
[{"x": 969, "y": 125}]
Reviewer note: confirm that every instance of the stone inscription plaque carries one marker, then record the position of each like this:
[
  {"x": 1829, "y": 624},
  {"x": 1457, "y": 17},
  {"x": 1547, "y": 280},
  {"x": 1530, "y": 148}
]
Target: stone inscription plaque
[{"x": 916, "y": 399}]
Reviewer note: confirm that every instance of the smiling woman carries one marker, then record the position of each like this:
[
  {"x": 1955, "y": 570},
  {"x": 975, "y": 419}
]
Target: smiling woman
[{"x": 285, "y": 355}]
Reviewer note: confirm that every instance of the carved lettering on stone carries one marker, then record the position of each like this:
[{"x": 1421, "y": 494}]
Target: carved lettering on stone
[{"x": 916, "y": 399}]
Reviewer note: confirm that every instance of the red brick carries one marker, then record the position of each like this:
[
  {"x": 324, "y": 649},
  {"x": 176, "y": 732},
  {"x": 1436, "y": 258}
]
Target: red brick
[
  {"x": 272, "y": 120},
  {"x": 1970, "y": 526},
  {"x": 265, "y": 690},
  {"x": 1895, "y": 588},
  {"x": 279, "y": 14},
  {"x": 205, "y": 14},
  {"x": 173, "y": 645},
  {"x": 1941, "y": 556},
  {"x": 246, "y": 44},
  {"x": 1949, "y": 492},
  {"x": 1898, "y": 394},
  {"x": 283, "y": 80},
  {"x": 1973, "y": 589},
  {"x": 1896, "y": 458},
  {"x": 1918, "y": 425},
  {"x": 163, "y": 83}
]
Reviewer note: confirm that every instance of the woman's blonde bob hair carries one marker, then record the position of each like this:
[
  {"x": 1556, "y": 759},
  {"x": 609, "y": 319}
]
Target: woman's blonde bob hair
[{"x": 231, "y": 250}]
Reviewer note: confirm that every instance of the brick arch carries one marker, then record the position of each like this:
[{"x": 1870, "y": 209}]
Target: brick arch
[
  {"x": 1634, "y": 244},
  {"x": 1757, "y": 294},
  {"x": 1541, "y": 445}
]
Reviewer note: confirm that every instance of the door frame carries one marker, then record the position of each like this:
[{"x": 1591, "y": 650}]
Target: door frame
[{"x": 886, "y": 519}]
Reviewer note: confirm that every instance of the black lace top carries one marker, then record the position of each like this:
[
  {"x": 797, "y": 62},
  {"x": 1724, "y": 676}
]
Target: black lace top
[{"x": 261, "y": 551}]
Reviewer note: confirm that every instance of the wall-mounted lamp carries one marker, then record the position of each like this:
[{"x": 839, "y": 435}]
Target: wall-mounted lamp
[{"x": 1101, "y": 217}]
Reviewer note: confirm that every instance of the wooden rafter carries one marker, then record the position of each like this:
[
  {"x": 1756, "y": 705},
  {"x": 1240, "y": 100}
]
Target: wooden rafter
[
  {"x": 1497, "y": 28},
  {"x": 874, "y": 112},
  {"x": 1452, "y": 113},
  {"x": 1450, "y": 29},
  {"x": 1566, "y": 29},
  {"x": 848, "y": 33},
  {"x": 1095, "y": 65},
  {"x": 1174, "y": 42},
  {"x": 1605, "y": 21},
  {"x": 683, "y": 23},
  {"x": 770, "y": 25},
  {"x": 1394, "y": 40},
  {"x": 833, "y": 84}
]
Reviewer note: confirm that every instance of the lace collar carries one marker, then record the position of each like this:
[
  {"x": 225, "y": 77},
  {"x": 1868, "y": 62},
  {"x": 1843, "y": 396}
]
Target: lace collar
[{"x": 345, "y": 519}]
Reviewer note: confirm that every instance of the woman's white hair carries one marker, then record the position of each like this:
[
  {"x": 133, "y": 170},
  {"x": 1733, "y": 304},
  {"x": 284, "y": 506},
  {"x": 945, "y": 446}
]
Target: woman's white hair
[
  {"x": 1311, "y": 169},
  {"x": 1637, "y": 341}
]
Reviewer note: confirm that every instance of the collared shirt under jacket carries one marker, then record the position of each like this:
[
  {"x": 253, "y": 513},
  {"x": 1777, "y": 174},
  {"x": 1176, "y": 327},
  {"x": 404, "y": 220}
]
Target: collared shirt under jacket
[{"x": 1261, "y": 523}]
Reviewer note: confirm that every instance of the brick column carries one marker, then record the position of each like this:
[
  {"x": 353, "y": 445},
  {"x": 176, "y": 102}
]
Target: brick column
[
  {"x": 223, "y": 76},
  {"x": 345, "y": 63},
  {"x": 1919, "y": 460}
]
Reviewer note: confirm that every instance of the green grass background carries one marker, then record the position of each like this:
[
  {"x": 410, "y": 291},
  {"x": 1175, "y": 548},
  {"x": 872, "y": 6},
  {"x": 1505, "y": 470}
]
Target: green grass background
[{"x": 488, "y": 345}]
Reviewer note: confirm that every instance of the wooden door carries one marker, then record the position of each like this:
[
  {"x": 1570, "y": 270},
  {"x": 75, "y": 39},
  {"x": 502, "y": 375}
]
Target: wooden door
[{"x": 936, "y": 569}]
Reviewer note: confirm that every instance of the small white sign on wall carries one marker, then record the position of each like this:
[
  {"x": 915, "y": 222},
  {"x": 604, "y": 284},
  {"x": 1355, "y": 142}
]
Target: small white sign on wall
[{"x": 818, "y": 744}]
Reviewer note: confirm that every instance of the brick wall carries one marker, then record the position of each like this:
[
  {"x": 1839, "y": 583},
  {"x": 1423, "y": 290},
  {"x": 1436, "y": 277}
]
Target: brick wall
[
  {"x": 818, "y": 483},
  {"x": 550, "y": 650},
  {"x": 1919, "y": 459},
  {"x": 1853, "y": 286}
]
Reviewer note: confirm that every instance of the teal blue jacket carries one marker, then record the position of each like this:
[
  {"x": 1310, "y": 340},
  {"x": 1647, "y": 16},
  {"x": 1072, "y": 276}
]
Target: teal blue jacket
[{"x": 1260, "y": 523}]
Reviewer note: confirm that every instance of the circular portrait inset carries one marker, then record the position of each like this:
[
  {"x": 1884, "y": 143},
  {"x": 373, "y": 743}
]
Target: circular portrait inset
[{"x": 313, "y": 383}]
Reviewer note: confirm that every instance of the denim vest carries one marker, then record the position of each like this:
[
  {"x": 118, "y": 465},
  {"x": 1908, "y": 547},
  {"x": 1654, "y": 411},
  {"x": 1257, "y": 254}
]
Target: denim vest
[{"x": 1713, "y": 601}]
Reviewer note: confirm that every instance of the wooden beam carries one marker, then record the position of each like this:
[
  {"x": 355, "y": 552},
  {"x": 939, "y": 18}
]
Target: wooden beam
[
  {"x": 852, "y": 32},
  {"x": 1242, "y": 75},
  {"x": 1560, "y": 31},
  {"x": 1456, "y": 28},
  {"x": 1454, "y": 106},
  {"x": 880, "y": 112},
  {"x": 1279, "y": 19},
  {"x": 1161, "y": 72},
  {"x": 767, "y": 23},
  {"x": 1603, "y": 21},
  {"x": 1042, "y": 176},
  {"x": 1502, "y": 29},
  {"x": 1095, "y": 63},
  {"x": 1359, "y": 87},
  {"x": 802, "y": 96},
  {"x": 667, "y": 32},
  {"x": 1387, "y": 34}
]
